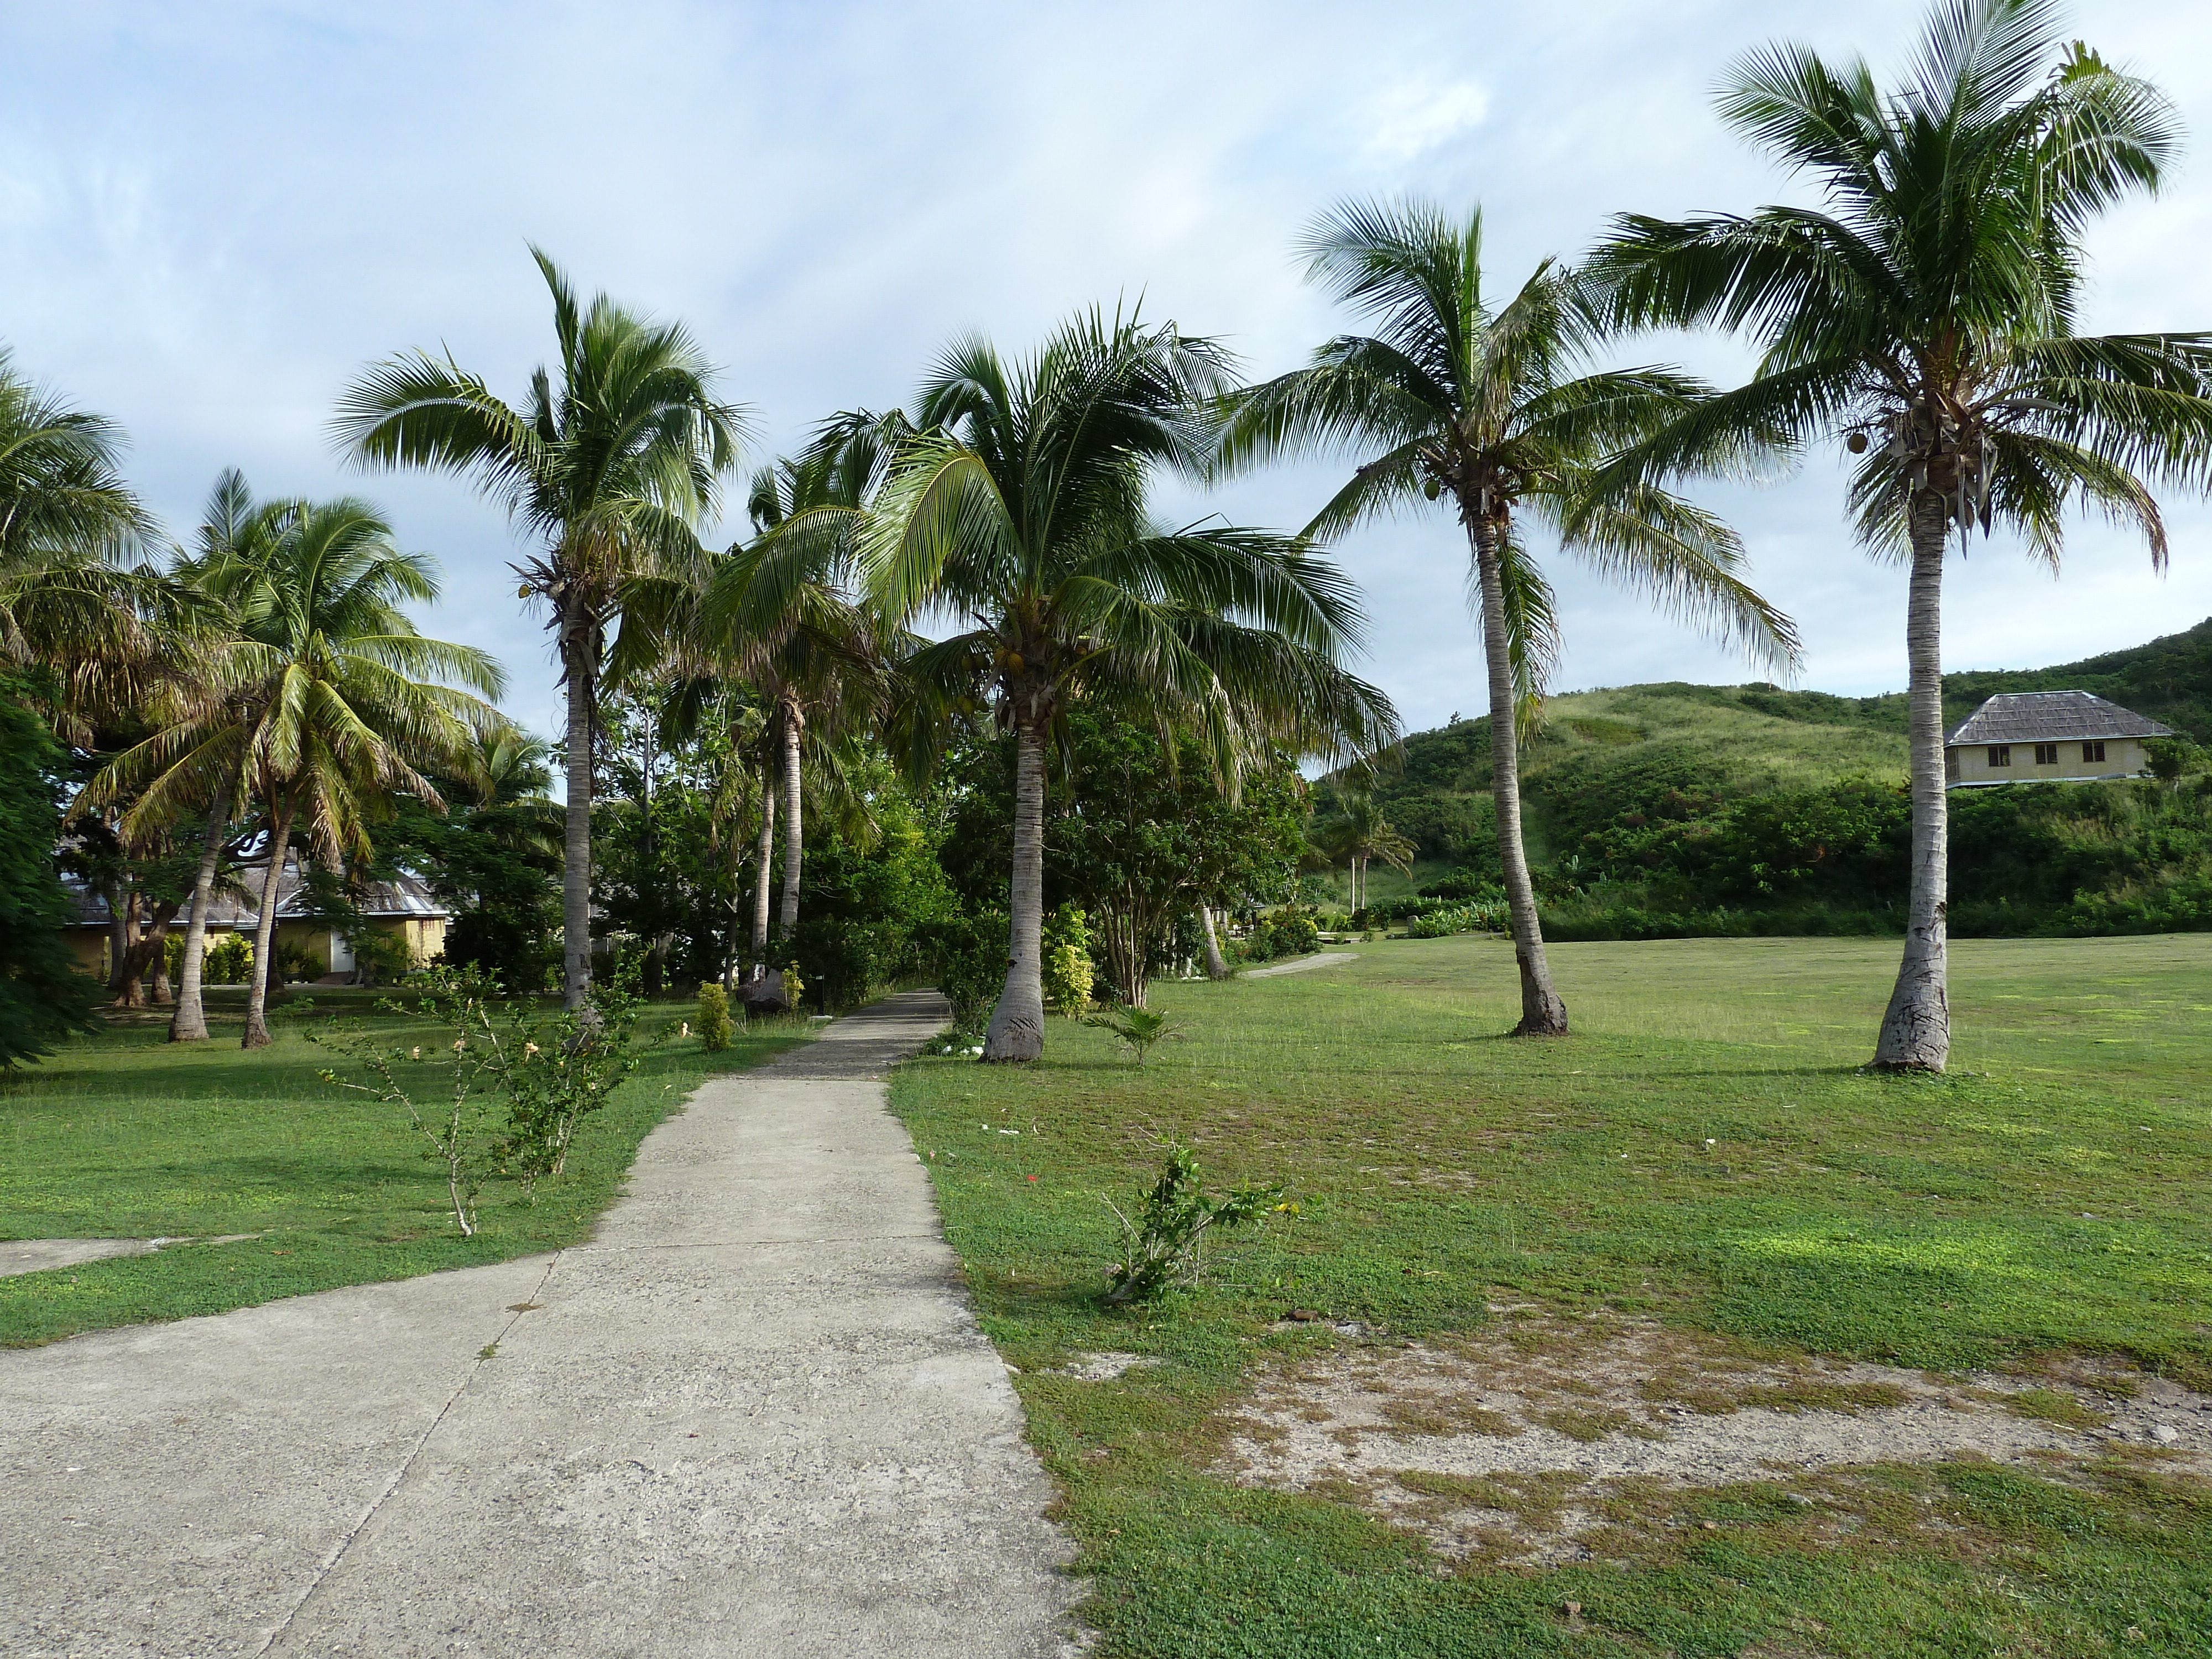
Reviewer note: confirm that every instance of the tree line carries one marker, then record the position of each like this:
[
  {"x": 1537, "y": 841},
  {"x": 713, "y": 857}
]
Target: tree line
[{"x": 987, "y": 559}]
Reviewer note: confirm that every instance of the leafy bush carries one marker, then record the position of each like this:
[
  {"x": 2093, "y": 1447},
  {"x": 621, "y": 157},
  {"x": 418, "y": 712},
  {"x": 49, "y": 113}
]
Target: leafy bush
[
  {"x": 1293, "y": 931},
  {"x": 379, "y": 958},
  {"x": 1164, "y": 1246},
  {"x": 848, "y": 961},
  {"x": 297, "y": 961},
  {"x": 963, "y": 1037},
  {"x": 1492, "y": 918},
  {"x": 1463, "y": 885},
  {"x": 968, "y": 954},
  {"x": 1069, "y": 972},
  {"x": 228, "y": 961},
  {"x": 715, "y": 1026},
  {"x": 550, "y": 1074}
]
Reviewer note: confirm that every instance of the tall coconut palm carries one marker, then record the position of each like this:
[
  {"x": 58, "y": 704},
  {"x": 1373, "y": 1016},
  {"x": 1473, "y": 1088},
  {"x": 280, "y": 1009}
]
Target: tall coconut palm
[
  {"x": 1018, "y": 509},
  {"x": 613, "y": 469},
  {"x": 779, "y": 611},
  {"x": 1357, "y": 834},
  {"x": 70, "y": 599},
  {"x": 1925, "y": 319},
  {"x": 1498, "y": 409},
  {"x": 324, "y": 702}
]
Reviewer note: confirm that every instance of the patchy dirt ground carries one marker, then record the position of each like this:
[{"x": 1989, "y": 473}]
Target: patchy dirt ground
[{"x": 1511, "y": 1445}]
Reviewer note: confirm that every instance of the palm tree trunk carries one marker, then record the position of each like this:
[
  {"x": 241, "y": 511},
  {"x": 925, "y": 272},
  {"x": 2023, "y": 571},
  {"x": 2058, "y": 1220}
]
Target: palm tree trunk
[
  {"x": 765, "y": 865},
  {"x": 1017, "y": 1028},
  {"x": 1216, "y": 966},
  {"x": 581, "y": 673},
  {"x": 1543, "y": 1012},
  {"x": 157, "y": 957},
  {"x": 188, "y": 1023},
  {"x": 794, "y": 724},
  {"x": 130, "y": 966},
  {"x": 1916, "y": 1031},
  {"x": 264, "y": 934}
]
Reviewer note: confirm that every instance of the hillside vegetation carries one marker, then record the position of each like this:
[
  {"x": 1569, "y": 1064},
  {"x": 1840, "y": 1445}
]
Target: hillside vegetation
[{"x": 1673, "y": 809}]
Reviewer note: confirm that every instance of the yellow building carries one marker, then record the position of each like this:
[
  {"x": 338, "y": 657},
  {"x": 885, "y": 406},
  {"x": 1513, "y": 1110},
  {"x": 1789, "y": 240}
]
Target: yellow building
[
  {"x": 403, "y": 909},
  {"x": 2048, "y": 737}
]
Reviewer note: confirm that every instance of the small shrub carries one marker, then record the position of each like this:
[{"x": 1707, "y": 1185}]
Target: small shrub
[
  {"x": 1164, "y": 1246},
  {"x": 1459, "y": 918},
  {"x": 229, "y": 961},
  {"x": 380, "y": 958},
  {"x": 1069, "y": 974},
  {"x": 551, "y": 1073},
  {"x": 1139, "y": 1028},
  {"x": 794, "y": 987},
  {"x": 297, "y": 961},
  {"x": 1068, "y": 970},
  {"x": 715, "y": 1028},
  {"x": 963, "y": 1037},
  {"x": 1293, "y": 932},
  {"x": 969, "y": 956}
]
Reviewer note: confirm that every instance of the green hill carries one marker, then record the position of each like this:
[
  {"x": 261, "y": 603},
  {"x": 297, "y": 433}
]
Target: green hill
[
  {"x": 1650, "y": 808},
  {"x": 2170, "y": 679}
]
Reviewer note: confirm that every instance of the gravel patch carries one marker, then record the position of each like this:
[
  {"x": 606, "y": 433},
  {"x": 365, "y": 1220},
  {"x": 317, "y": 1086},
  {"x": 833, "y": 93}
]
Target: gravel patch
[
  {"x": 1105, "y": 1367},
  {"x": 32, "y": 1255},
  {"x": 1323, "y": 960},
  {"x": 1512, "y": 1437}
]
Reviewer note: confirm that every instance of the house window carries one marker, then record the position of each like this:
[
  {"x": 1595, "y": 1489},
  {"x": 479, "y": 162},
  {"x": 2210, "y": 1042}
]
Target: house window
[
  {"x": 2047, "y": 754},
  {"x": 2093, "y": 752},
  {"x": 2001, "y": 754}
]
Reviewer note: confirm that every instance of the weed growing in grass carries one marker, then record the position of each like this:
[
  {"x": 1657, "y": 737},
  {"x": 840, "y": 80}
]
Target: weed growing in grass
[
  {"x": 1165, "y": 1245},
  {"x": 550, "y": 1075},
  {"x": 464, "y": 1076}
]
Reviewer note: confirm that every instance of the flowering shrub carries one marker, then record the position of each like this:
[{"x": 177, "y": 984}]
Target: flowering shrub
[{"x": 1459, "y": 919}]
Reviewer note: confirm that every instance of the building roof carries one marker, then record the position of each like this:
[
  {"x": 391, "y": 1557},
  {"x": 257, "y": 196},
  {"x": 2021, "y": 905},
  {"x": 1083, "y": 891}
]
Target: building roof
[
  {"x": 2050, "y": 716},
  {"x": 404, "y": 897}
]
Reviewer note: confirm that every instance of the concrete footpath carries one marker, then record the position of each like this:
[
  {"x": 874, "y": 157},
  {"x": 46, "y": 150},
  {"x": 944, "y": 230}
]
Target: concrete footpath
[{"x": 752, "y": 1416}]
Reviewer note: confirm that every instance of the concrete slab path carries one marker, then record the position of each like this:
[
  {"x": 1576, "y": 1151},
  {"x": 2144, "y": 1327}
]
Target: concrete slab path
[
  {"x": 753, "y": 1417},
  {"x": 1325, "y": 959}
]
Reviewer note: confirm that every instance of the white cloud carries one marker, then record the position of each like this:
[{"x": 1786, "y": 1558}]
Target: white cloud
[
  {"x": 1418, "y": 116},
  {"x": 210, "y": 217}
]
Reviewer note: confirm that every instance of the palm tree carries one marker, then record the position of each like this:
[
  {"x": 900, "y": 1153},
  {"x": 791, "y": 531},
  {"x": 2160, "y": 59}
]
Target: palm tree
[
  {"x": 67, "y": 522},
  {"x": 778, "y": 611},
  {"x": 1452, "y": 397},
  {"x": 1359, "y": 833},
  {"x": 1018, "y": 507},
  {"x": 613, "y": 469},
  {"x": 1927, "y": 320},
  {"x": 324, "y": 702}
]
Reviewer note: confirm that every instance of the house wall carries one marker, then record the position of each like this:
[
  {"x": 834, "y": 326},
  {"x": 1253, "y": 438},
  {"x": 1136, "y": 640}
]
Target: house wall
[
  {"x": 425, "y": 937},
  {"x": 1968, "y": 763},
  {"x": 89, "y": 945}
]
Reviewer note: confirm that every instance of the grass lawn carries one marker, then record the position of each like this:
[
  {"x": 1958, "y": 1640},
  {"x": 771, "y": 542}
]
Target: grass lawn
[
  {"x": 122, "y": 1135},
  {"x": 1703, "y": 1154}
]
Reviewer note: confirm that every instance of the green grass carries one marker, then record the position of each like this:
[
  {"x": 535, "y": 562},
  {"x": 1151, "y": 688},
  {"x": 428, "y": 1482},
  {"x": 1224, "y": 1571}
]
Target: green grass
[
  {"x": 1936, "y": 1223},
  {"x": 122, "y": 1135}
]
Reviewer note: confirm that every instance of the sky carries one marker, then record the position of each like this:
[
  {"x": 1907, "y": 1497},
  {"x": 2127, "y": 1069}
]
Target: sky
[{"x": 212, "y": 217}]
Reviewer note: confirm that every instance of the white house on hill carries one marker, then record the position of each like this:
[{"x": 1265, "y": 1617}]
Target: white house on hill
[{"x": 2034, "y": 737}]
